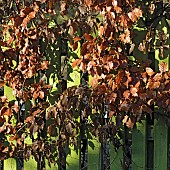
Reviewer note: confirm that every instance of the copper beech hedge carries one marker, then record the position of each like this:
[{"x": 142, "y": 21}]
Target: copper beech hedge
[{"x": 121, "y": 87}]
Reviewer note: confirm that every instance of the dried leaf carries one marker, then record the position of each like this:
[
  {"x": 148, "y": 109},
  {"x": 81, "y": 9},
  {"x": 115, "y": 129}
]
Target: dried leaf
[
  {"x": 69, "y": 128},
  {"x": 76, "y": 62},
  {"x": 151, "y": 8},
  {"x": 52, "y": 130},
  {"x": 2, "y": 83},
  {"x": 149, "y": 71},
  {"x": 126, "y": 94},
  {"x": 163, "y": 67},
  {"x": 41, "y": 94},
  {"x": 88, "y": 37},
  {"x": 150, "y": 102},
  {"x": 94, "y": 83},
  {"x": 30, "y": 119},
  {"x": 5, "y": 150},
  {"x": 36, "y": 95},
  {"x": 146, "y": 109},
  {"x": 6, "y": 111},
  {"x": 133, "y": 91},
  {"x": 44, "y": 65},
  {"x": 111, "y": 113},
  {"x": 12, "y": 138},
  {"x": 19, "y": 141},
  {"x": 142, "y": 47},
  {"x": 131, "y": 48},
  {"x": 31, "y": 15},
  {"x": 36, "y": 112},
  {"x": 128, "y": 121}
]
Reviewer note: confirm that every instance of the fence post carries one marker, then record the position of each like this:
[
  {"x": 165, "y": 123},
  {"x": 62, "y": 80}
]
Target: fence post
[
  {"x": 127, "y": 149},
  {"x": 64, "y": 53},
  {"x": 83, "y": 129},
  {"x": 105, "y": 146},
  {"x": 21, "y": 117},
  {"x": 42, "y": 133},
  {"x": 150, "y": 124},
  {"x": 1, "y": 161},
  {"x": 1, "y": 165},
  {"x": 169, "y": 127},
  {"x": 161, "y": 130}
]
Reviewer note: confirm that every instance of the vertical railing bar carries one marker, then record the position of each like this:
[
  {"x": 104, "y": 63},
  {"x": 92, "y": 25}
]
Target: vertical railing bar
[
  {"x": 41, "y": 162},
  {"x": 42, "y": 133},
  {"x": 1, "y": 164},
  {"x": 127, "y": 148},
  {"x": 83, "y": 129},
  {"x": 105, "y": 146},
  {"x": 21, "y": 115},
  {"x": 168, "y": 161},
  {"x": 20, "y": 119},
  {"x": 64, "y": 53},
  {"x": 168, "y": 156},
  {"x": 149, "y": 125},
  {"x": 1, "y": 161}
]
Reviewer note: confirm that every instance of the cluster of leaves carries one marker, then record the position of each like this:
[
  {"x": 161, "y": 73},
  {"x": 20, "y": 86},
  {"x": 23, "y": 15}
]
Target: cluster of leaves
[
  {"x": 23, "y": 66},
  {"x": 121, "y": 90}
]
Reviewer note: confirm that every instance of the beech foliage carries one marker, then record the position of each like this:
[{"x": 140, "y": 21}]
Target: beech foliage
[{"x": 123, "y": 88}]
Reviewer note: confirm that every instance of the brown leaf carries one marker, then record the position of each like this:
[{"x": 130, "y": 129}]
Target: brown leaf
[
  {"x": 157, "y": 77},
  {"x": 150, "y": 102},
  {"x": 126, "y": 94},
  {"x": 12, "y": 138},
  {"x": 3, "y": 98},
  {"x": 2, "y": 120},
  {"x": 76, "y": 39},
  {"x": 149, "y": 71},
  {"x": 142, "y": 96},
  {"x": 111, "y": 113},
  {"x": 18, "y": 21},
  {"x": 163, "y": 67},
  {"x": 2, "y": 128},
  {"x": 146, "y": 109},
  {"x": 2, "y": 83},
  {"x": 152, "y": 8},
  {"x": 44, "y": 65},
  {"x": 19, "y": 141},
  {"x": 6, "y": 111},
  {"x": 31, "y": 15},
  {"x": 25, "y": 11},
  {"x": 33, "y": 128},
  {"x": 101, "y": 31},
  {"x": 94, "y": 83},
  {"x": 69, "y": 128},
  {"x": 153, "y": 85},
  {"x": 25, "y": 22},
  {"x": 5, "y": 150},
  {"x": 88, "y": 37},
  {"x": 36, "y": 112},
  {"x": 52, "y": 130},
  {"x": 36, "y": 95},
  {"x": 30, "y": 119},
  {"x": 41, "y": 94},
  {"x": 128, "y": 121},
  {"x": 76, "y": 62},
  {"x": 133, "y": 91},
  {"x": 75, "y": 46},
  {"x": 131, "y": 48},
  {"x": 101, "y": 89},
  {"x": 142, "y": 47}
]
